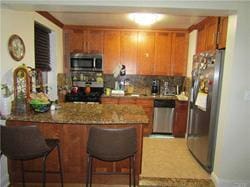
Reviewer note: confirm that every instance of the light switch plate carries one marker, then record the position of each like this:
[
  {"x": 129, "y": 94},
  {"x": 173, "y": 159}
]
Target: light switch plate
[{"x": 247, "y": 95}]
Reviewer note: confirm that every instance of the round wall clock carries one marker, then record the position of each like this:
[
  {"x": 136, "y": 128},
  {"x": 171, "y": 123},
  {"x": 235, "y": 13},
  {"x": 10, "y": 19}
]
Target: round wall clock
[{"x": 16, "y": 47}]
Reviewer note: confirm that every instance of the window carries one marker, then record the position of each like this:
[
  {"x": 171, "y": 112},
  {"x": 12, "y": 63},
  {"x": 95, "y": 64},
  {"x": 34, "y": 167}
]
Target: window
[{"x": 42, "y": 55}]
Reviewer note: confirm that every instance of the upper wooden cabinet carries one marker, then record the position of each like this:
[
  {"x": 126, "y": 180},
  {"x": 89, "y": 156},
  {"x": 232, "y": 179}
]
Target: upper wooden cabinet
[
  {"x": 146, "y": 53},
  {"x": 212, "y": 33},
  {"x": 222, "y": 32},
  {"x": 87, "y": 41},
  {"x": 143, "y": 52},
  {"x": 94, "y": 41},
  {"x": 129, "y": 51},
  {"x": 179, "y": 53},
  {"x": 111, "y": 51},
  {"x": 163, "y": 46},
  {"x": 76, "y": 40}
]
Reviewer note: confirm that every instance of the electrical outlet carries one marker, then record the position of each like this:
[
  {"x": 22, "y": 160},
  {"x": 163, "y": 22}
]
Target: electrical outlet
[{"x": 247, "y": 95}]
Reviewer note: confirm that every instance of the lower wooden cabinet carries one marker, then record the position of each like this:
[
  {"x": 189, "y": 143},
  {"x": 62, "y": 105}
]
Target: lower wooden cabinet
[
  {"x": 180, "y": 118},
  {"x": 147, "y": 105}
]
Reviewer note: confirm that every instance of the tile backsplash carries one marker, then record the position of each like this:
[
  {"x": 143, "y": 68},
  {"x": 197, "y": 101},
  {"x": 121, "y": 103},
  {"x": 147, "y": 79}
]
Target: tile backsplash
[{"x": 141, "y": 83}]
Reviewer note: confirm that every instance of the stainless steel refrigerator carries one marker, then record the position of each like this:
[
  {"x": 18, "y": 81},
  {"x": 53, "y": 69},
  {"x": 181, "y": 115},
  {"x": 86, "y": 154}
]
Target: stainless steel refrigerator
[{"x": 204, "y": 106}]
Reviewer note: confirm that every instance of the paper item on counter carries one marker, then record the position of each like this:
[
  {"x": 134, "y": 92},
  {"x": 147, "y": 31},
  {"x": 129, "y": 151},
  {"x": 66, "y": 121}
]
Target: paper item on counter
[
  {"x": 117, "y": 93},
  {"x": 201, "y": 101}
]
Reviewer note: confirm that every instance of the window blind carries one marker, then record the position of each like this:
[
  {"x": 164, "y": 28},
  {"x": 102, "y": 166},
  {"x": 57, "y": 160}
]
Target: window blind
[{"x": 42, "y": 48}]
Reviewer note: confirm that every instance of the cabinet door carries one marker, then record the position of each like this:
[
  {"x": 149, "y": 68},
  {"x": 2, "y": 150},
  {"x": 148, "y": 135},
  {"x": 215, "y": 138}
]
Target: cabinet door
[
  {"x": 95, "y": 41},
  {"x": 147, "y": 105},
  {"x": 129, "y": 51},
  {"x": 111, "y": 51},
  {"x": 201, "y": 39},
  {"x": 76, "y": 40},
  {"x": 211, "y": 33},
  {"x": 109, "y": 100},
  {"x": 146, "y": 50},
  {"x": 179, "y": 54},
  {"x": 66, "y": 51},
  {"x": 163, "y": 45},
  {"x": 180, "y": 118},
  {"x": 222, "y": 32},
  {"x": 127, "y": 100}
]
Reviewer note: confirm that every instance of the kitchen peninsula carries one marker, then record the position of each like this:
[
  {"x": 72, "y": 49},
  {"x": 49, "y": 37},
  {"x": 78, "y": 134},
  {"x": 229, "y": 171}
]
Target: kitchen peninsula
[{"x": 70, "y": 123}]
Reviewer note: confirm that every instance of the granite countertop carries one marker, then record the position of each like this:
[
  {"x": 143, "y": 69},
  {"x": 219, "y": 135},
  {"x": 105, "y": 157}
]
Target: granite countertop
[{"x": 78, "y": 113}]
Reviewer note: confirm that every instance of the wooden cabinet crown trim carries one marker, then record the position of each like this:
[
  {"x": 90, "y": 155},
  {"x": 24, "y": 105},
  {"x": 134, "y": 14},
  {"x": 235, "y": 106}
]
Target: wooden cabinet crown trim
[{"x": 103, "y": 28}]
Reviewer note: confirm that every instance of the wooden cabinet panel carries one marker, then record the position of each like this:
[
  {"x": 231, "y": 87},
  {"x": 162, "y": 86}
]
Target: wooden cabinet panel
[
  {"x": 109, "y": 100},
  {"x": 201, "y": 39},
  {"x": 163, "y": 45},
  {"x": 179, "y": 53},
  {"x": 76, "y": 40},
  {"x": 95, "y": 41},
  {"x": 127, "y": 101},
  {"x": 180, "y": 118},
  {"x": 222, "y": 32},
  {"x": 211, "y": 33},
  {"x": 146, "y": 53},
  {"x": 111, "y": 51},
  {"x": 129, "y": 51},
  {"x": 147, "y": 105}
]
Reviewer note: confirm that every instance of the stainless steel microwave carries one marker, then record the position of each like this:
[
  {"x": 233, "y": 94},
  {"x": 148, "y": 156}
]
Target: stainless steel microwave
[{"x": 86, "y": 62}]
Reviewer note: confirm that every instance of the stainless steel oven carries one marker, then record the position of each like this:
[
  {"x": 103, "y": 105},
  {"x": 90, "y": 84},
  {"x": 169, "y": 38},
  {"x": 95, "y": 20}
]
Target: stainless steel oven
[{"x": 86, "y": 62}]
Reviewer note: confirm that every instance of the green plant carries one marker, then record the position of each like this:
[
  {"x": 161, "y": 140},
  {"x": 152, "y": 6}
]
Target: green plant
[{"x": 6, "y": 91}]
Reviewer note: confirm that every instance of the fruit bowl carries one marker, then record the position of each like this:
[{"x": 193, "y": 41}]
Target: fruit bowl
[{"x": 40, "y": 107}]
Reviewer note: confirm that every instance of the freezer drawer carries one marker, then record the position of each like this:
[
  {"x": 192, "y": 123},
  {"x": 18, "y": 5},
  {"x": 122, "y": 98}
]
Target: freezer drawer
[{"x": 163, "y": 117}]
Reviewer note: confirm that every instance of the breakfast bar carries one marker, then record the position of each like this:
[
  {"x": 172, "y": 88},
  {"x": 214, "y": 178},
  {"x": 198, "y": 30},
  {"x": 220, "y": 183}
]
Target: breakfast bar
[{"x": 70, "y": 123}]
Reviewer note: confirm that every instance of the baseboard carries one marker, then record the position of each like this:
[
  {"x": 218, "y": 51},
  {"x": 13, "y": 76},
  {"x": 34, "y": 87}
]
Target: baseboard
[{"x": 219, "y": 182}]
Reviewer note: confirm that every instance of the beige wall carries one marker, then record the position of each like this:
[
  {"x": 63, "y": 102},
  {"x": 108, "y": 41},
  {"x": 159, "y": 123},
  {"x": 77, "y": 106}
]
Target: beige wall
[{"x": 22, "y": 24}]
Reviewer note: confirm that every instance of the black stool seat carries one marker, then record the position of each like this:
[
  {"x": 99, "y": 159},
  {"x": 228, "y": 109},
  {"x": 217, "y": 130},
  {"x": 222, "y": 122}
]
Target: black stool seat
[
  {"x": 27, "y": 143},
  {"x": 111, "y": 145}
]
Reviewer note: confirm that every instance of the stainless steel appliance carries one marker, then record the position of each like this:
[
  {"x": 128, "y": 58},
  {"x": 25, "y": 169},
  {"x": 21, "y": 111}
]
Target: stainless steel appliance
[
  {"x": 86, "y": 62},
  {"x": 163, "y": 116},
  {"x": 204, "y": 105},
  {"x": 155, "y": 89}
]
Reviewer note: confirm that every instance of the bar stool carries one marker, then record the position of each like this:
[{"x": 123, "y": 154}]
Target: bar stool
[
  {"x": 111, "y": 145},
  {"x": 27, "y": 143}
]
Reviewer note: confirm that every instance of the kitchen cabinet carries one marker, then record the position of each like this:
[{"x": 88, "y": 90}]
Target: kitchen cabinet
[
  {"x": 143, "y": 52},
  {"x": 180, "y": 118},
  {"x": 111, "y": 50},
  {"x": 87, "y": 41},
  {"x": 212, "y": 34},
  {"x": 163, "y": 46},
  {"x": 146, "y": 53},
  {"x": 179, "y": 53},
  {"x": 129, "y": 51},
  {"x": 146, "y": 104},
  {"x": 201, "y": 39},
  {"x": 222, "y": 32}
]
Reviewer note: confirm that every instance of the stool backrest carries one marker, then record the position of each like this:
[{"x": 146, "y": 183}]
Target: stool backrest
[
  {"x": 22, "y": 142},
  {"x": 111, "y": 144}
]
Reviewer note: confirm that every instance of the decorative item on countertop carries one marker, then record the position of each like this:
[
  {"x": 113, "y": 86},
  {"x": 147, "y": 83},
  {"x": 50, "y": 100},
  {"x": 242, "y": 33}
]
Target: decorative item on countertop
[
  {"x": 22, "y": 88},
  {"x": 6, "y": 100},
  {"x": 39, "y": 102}
]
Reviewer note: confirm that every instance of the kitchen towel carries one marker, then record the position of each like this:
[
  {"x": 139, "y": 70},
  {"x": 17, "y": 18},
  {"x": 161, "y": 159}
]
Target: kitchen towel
[{"x": 201, "y": 101}]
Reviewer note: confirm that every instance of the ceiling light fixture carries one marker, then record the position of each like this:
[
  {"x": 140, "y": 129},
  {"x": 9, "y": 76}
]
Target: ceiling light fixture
[{"x": 145, "y": 19}]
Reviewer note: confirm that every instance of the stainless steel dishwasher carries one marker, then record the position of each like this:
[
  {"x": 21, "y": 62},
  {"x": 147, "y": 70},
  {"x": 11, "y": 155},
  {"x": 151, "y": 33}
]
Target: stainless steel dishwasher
[{"x": 163, "y": 116}]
